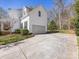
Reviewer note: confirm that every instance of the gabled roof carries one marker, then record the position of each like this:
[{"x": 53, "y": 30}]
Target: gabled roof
[
  {"x": 33, "y": 8},
  {"x": 40, "y": 6},
  {"x": 30, "y": 9}
]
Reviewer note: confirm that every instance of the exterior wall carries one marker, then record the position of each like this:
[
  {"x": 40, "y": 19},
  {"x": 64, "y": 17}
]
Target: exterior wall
[
  {"x": 39, "y": 21},
  {"x": 15, "y": 25}
]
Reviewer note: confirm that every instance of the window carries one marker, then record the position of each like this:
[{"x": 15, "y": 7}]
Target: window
[{"x": 39, "y": 13}]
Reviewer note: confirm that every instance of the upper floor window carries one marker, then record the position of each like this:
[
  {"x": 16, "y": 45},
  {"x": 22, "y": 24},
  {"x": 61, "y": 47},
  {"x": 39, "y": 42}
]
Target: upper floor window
[{"x": 39, "y": 13}]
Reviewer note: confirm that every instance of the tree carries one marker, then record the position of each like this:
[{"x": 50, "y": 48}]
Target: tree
[
  {"x": 52, "y": 26},
  {"x": 60, "y": 6},
  {"x": 77, "y": 17},
  {"x": 77, "y": 14},
  {"x": 72, "y": 21},
  {"x": 3, "y": 13},
  {"x": 63, "y": 13}
]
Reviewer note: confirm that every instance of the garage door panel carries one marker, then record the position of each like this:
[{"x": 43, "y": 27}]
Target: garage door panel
[{"x": 38, "y": 29}]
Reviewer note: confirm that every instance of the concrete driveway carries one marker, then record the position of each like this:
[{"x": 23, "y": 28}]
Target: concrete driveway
[{"x": 45, "y": 46}]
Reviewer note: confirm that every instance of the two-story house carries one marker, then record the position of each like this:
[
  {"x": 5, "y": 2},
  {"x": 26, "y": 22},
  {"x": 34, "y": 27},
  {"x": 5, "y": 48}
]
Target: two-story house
[{"x": 35, "y": 20}]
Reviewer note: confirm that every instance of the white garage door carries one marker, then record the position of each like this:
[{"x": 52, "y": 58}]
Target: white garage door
[{"x": 38, "y": 29}]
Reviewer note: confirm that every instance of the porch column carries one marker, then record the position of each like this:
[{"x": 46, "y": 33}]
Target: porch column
[{"x": 23, "y": 25}]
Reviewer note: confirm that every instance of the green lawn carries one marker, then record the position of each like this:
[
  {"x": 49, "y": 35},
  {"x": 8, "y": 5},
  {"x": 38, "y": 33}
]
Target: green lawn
[
  {"x": 78, "y": 44},
  {"x": 12, "y": 38},
  {"x": 78, "y": 41}
]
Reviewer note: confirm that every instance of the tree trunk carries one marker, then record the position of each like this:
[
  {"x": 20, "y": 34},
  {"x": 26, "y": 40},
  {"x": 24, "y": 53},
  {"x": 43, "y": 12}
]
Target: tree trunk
[{"x": 59, "y": 20}]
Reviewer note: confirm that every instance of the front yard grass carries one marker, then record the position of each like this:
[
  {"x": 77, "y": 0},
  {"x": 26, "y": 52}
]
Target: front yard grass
[
  {"x": 78, "y": 45},
  {"x": 7, "y": 39},
  {"x": 62, "y": 31},
  {"x": 67, "y": 31},
  {"x": 78, "y": 40}
]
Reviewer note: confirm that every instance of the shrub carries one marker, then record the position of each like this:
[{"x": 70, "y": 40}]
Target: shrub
[
  {"x": 65, "y": 27},
  {"x": 53, "y": 31},
  {"x": 30, "y": 33},
  {"x": 17, "y": 31},
  {"x": 77, "y": 32},
  {"x": 5, "y": 32},
  {"x": 24, "y": 32},
  {"x": 52, "y": 26},
  {"x": 0, "y": 33},
  {"x": 77, "y": 16}
]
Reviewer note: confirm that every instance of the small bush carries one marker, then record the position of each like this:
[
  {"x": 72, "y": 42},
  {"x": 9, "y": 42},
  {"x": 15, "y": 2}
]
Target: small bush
[
  {"x": 65, "y": 27},
  {"x": 52, "y": 26},
  {"x": 24, "y": 32},
  {"x": 17, "y": 31},
  {"x": 30, "y": 34},
  {"x": 53, "y": 31},
  {"x": 5, "y": 32},
  {"x": 0, "y": 33},
  {"x": 77, "y": 32}
]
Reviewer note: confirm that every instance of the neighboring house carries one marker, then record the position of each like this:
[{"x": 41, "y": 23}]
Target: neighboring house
[
  {"x": 33, "y": 19},
  {"x": 15, "y": 15},
  {"x": 12, "y": 21}
]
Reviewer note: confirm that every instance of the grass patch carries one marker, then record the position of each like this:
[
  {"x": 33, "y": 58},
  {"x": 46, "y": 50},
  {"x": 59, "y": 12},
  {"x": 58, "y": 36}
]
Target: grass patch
[
  {"x": 67, "y": 31},
  {"x": 78, "y": 40},
  {"x": 78, "y": 44},
  {"x": 62, "y": 31},
  {"x": 53, "y": 31},
  {"x": 7, "y": 39}
]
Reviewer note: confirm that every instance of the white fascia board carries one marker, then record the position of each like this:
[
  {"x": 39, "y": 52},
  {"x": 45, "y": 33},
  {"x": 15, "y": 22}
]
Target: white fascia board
[{"x": 25, "y": 19}]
